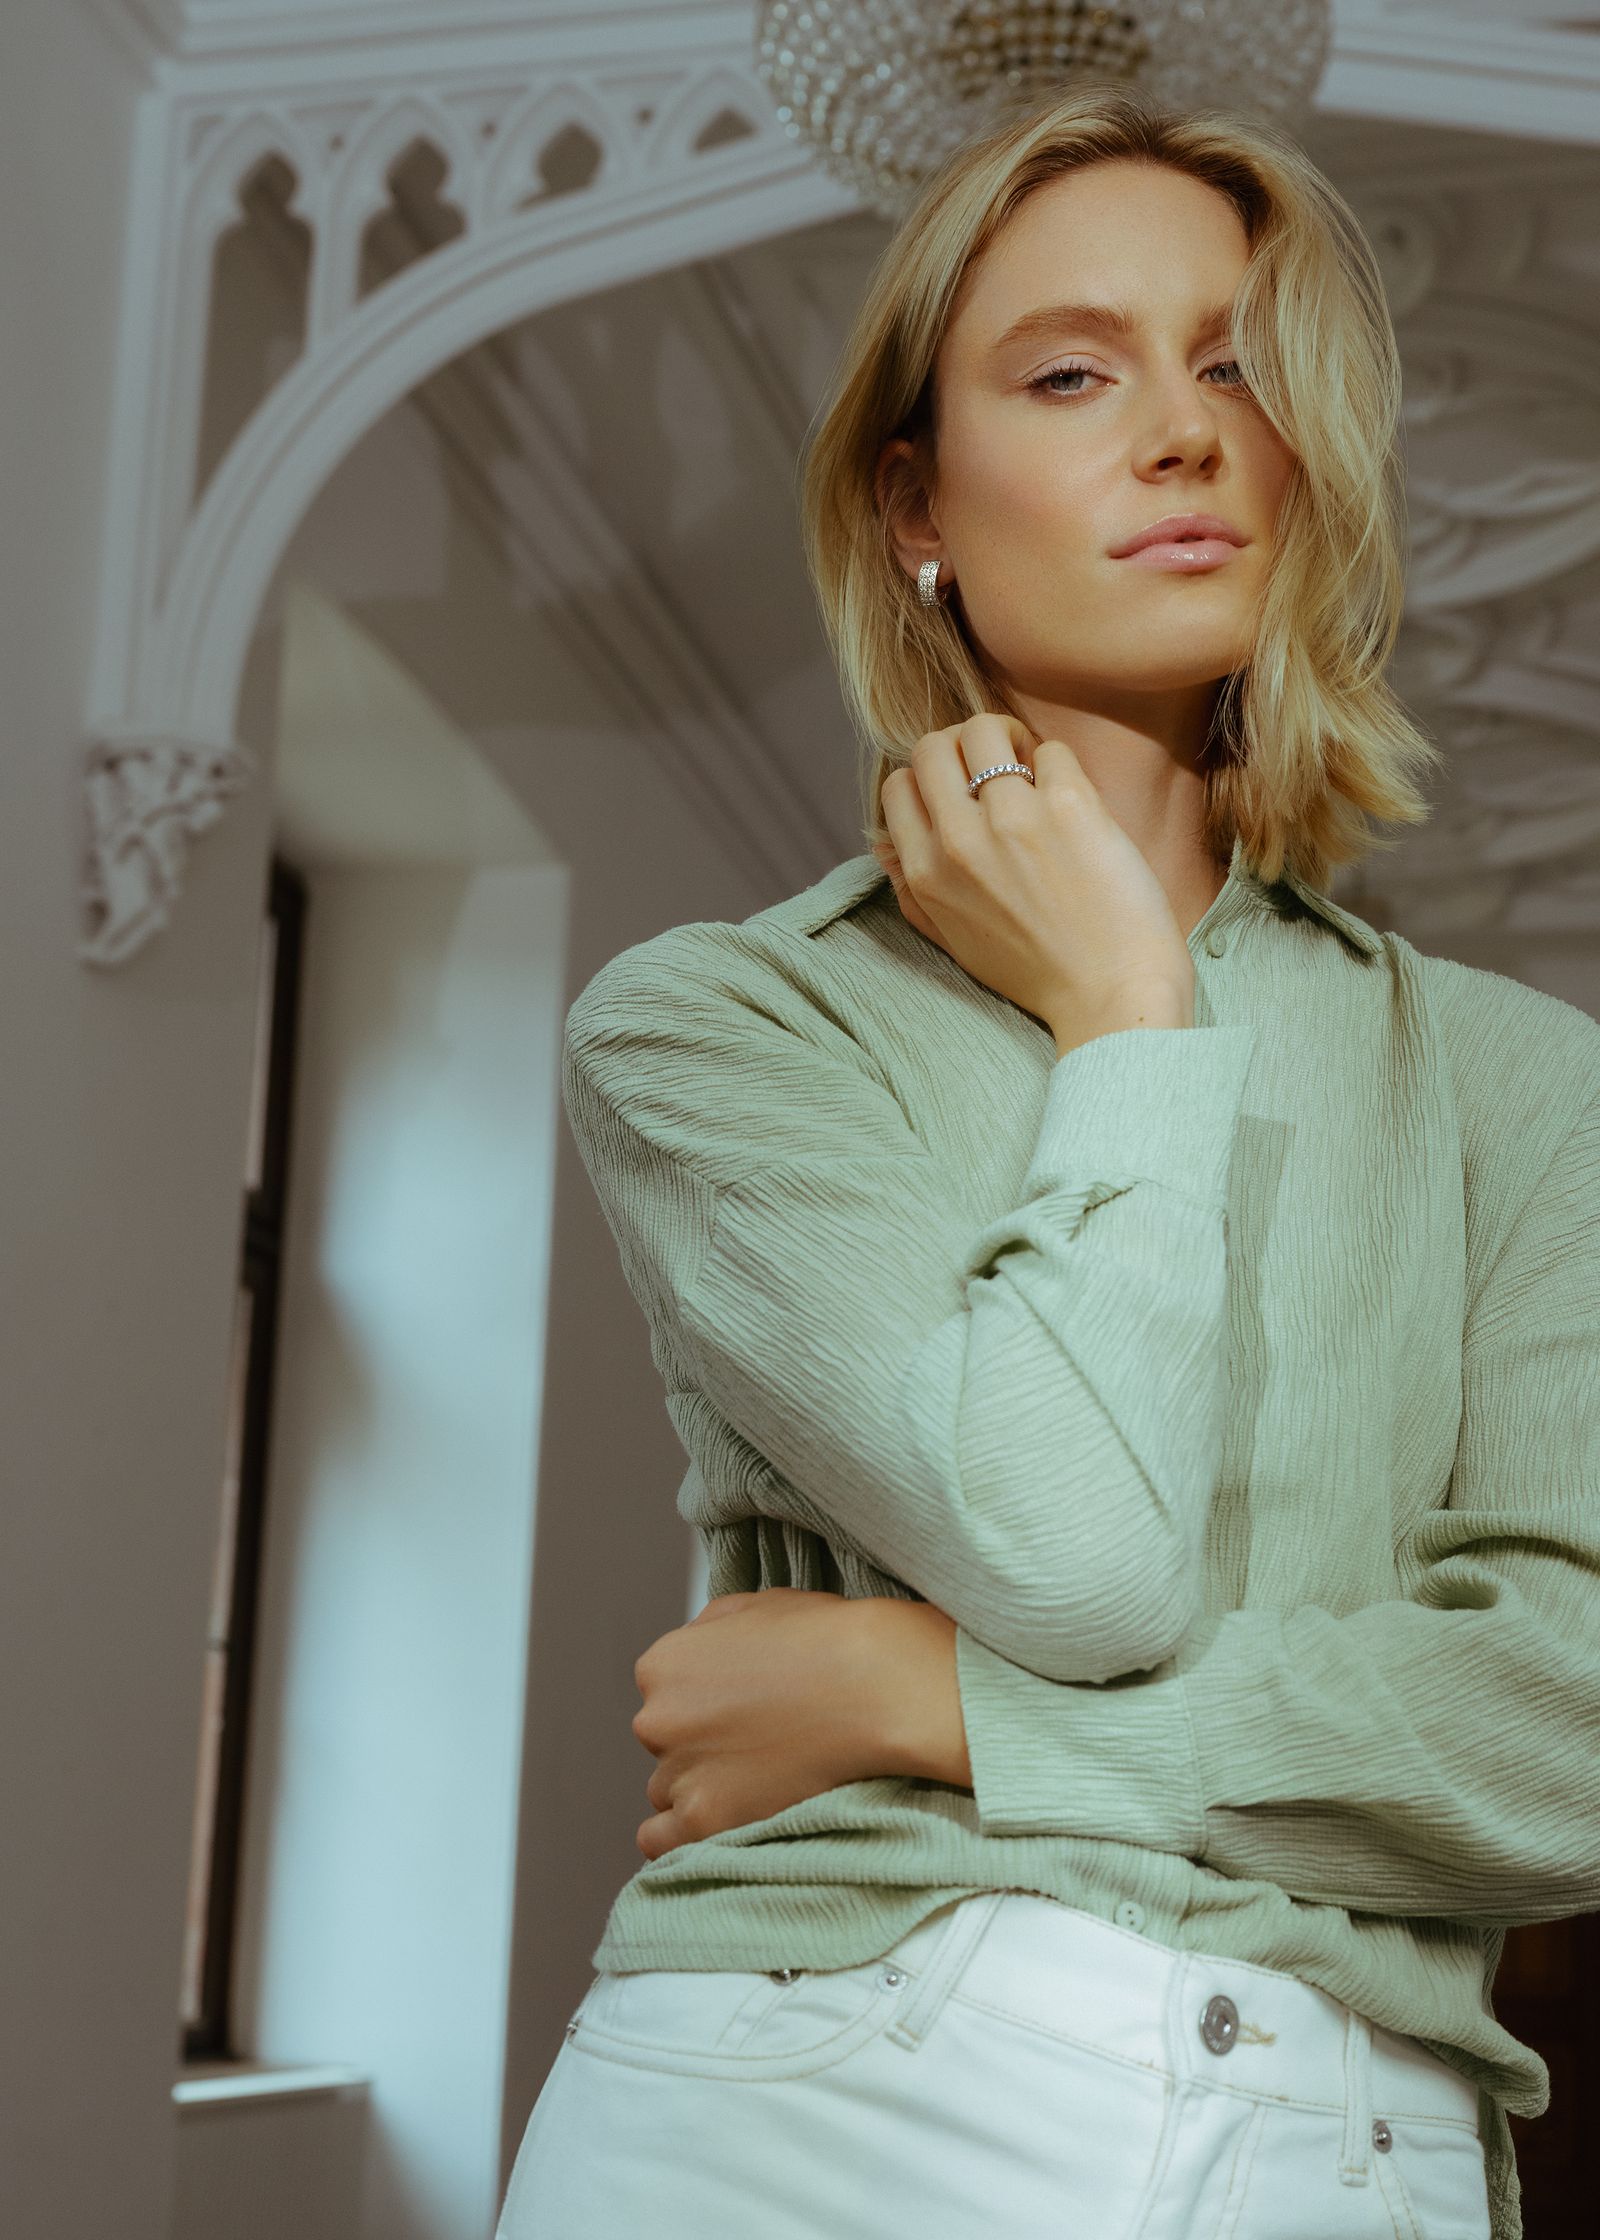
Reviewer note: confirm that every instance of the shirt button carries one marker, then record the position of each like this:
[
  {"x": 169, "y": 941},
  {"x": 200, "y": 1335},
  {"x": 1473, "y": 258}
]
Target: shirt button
[
  {"x": 1216, "y": 942},
  {"x": 1219, "y": 2024},
  {"x": 1382, "y": 2136},
  {"x": 1129, "y": 1915}
]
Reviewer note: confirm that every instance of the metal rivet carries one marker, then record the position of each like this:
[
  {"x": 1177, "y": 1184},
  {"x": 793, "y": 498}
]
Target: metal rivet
[
  {"x": 890, "y": 1978},
  {"x": 1382, "y": 2136},
  {"x": 783, "y": 1975},
  {"x": 1219, "y": 2024}
]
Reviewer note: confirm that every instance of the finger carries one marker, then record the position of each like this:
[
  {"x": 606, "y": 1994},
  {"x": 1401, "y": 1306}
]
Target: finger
[
  {"x": 647, "y": 1659},
  {"x": 1054, "y": 764},
  {"x": 723, "y": 1606},
  {"x": 941, "y": 770},
  {"x": 910, "y": 909},
  {"x": 657, "y": 1835},
  {"x": 988, "y": 739},
  {"x": 884, "y": 851},
  {"x": 905, "y": 814}
]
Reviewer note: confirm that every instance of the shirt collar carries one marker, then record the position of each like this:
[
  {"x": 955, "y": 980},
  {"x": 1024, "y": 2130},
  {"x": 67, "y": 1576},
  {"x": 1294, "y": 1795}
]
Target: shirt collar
[
  {"x": 1365, "y": 939},
  {"x": 849, "y": 882}
]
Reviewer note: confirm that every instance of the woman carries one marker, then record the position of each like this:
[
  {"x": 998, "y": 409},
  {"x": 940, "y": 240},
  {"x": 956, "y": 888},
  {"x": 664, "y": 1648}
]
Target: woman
[{"x": 1136, "y": 1328}]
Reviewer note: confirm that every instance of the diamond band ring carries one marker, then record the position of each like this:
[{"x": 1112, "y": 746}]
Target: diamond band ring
[{"x": 994, "y": 771}]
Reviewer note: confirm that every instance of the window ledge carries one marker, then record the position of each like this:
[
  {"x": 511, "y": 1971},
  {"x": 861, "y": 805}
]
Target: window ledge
[{"x": 204, "y": 2083}]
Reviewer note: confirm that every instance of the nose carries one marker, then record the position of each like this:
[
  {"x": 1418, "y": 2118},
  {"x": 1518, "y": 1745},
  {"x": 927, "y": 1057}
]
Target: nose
[{"x": 1184, "y": 428}]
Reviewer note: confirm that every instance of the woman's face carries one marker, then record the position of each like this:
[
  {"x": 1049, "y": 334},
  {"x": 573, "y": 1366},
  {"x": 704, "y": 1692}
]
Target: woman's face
[{"x": 1060, "y": 439}]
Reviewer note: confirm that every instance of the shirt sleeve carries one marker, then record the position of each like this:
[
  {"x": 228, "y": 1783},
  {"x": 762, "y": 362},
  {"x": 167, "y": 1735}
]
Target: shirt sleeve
[
  {"x": 1438, "y": 1754},
  {"x": 1018, "y": 1414}
]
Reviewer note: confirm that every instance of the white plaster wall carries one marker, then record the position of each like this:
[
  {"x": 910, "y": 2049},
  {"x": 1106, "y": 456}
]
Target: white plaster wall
[
  {"x": 385, "y": 549},
  {"x": 396, "y": 1581},
  {"x": 286, "y": 2166},
  {"x": 123, "y": 1103},
  {"x": 123, "y": 1111},
  {"x": 613, "y": 1564}
]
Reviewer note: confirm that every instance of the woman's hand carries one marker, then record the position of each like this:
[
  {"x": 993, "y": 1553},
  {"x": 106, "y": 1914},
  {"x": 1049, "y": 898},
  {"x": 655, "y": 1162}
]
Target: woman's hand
[
  {"x": 765, "y": 1699},
  {"x": 1035, "y": 890}
]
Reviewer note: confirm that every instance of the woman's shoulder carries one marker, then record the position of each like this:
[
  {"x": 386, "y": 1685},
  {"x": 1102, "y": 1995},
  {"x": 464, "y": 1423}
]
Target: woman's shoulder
[
  {"x": 838, "y": 892},
  {"x": 1525, "y": 1068},
  {"x": 1499, "y": 1029},
  {"x": 731, "y": 1043},
  {"x": 782, "y": 947}
]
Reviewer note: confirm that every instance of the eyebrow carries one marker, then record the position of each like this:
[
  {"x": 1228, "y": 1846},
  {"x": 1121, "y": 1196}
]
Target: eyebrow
[{"x": 1096, "y": 318}]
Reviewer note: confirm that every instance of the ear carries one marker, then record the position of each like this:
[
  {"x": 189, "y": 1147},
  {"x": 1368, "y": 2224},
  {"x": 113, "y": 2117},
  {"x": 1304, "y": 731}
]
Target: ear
[{"x": 902, "y": 499}]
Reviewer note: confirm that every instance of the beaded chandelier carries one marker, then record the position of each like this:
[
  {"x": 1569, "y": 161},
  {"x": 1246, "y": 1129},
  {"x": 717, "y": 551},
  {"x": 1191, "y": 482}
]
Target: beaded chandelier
[{"x": 885, "y": 89}]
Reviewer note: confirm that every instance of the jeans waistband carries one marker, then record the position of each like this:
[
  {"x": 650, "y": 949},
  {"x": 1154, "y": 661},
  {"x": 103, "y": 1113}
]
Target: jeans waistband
[{"x": 1224, "y": 2023}]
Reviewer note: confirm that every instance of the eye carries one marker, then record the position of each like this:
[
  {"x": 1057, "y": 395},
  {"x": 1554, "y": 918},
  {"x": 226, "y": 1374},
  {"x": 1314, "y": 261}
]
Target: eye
[
  {"x": 1062, "y": 373},
  {"x": 1045, "y": 381}
]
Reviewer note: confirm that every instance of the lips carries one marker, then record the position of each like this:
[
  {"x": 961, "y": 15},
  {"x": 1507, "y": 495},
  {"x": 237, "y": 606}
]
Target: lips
[{"x": 1181, "y": 528}]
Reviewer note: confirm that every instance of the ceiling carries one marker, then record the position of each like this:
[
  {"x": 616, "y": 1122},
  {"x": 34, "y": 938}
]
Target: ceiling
[{"x": 215, "y": 28}]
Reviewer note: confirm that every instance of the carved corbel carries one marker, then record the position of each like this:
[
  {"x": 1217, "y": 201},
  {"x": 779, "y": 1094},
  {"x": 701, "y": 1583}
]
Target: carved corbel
[{"x": 148, "y": 795}]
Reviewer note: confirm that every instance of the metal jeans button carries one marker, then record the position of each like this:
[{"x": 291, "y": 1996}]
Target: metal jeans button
[
  {"x": 1219, "y": 2025},
  {"x": 783, "y": 1975},
  {"x": 1382, "y": 2136}
]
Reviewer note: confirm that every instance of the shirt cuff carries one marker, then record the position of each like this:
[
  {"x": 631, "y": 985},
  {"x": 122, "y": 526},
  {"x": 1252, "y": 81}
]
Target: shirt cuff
[
  {"x": 1151, "y": 1103},
  {"x": 1114, "y": 1759}
]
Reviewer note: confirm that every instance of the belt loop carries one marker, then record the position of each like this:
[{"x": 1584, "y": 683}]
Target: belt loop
[
  {"x": 968, "y": 1920},
  {"x": 1355, "y": 2154}
]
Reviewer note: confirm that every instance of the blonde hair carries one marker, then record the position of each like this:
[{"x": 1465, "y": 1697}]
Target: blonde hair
[{"x": 1308, "y": 742}]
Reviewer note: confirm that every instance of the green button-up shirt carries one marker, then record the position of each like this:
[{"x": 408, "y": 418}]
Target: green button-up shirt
[{"x": 1235, "y": 1389}]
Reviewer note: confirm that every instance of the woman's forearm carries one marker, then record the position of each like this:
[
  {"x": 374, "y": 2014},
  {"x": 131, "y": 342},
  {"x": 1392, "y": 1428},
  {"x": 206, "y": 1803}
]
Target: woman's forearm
[{"x": 912, "y": 1657}]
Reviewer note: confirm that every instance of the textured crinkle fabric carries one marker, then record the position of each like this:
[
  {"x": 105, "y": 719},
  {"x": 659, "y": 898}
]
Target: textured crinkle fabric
[{"x": 1235, "y": 1389}]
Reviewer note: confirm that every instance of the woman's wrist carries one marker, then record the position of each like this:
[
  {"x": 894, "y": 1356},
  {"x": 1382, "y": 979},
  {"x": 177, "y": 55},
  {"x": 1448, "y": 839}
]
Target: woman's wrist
[
  {"x": 1164, "y": 1006},
  {"x": 911, "y": 1697}
]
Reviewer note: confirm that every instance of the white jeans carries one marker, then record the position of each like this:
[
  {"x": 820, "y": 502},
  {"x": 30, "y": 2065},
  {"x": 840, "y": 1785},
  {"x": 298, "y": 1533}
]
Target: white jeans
[{"x": 1014, "y": 2069}]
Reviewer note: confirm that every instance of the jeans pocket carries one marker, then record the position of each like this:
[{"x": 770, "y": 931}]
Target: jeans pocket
[
  {"x": 733, "y": 2023},
  {"x": 1436, "y": 2181}
]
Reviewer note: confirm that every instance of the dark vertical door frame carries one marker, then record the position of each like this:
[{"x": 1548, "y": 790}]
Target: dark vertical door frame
[{"x": 260, "y": 1275}]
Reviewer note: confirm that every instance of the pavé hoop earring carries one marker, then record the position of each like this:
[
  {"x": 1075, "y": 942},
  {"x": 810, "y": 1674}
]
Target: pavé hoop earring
[{"x": 928, "y": 583}]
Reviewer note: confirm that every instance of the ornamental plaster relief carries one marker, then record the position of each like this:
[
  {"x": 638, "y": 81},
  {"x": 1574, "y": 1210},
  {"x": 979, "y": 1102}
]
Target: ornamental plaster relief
[{"x": 1493, "y": 282}]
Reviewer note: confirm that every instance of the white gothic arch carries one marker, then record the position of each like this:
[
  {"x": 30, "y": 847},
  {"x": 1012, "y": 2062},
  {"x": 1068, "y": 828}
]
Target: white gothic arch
[
  {"x": 672, "y": 140},
  {"x": 541, "y": 119},
  {"x": 184, "y": 581}
]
